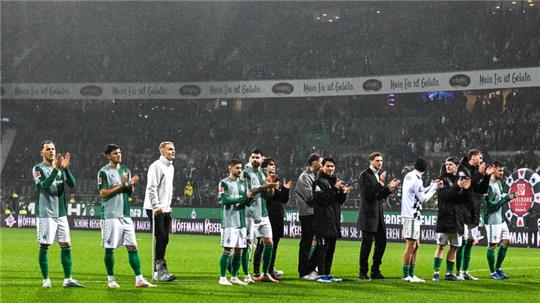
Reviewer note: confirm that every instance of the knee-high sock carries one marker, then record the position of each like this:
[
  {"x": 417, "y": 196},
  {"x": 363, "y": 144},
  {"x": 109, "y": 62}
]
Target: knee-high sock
[
  {"x": 267, "y": 256},
  {"x": 449, "y": 266},
  {"x": 135, "y": 262},
  {"x": 44, "y": 262},
  {"x": 459, "y": 257},
  {"x": 224, "y": 263},
  {"x": 500, "y": 255},
  {"x": 245, "y": 261},
  {"x": 236, "y": 260},
  {"x": 491, "y": 259},
  {"x": 437, "y": 262},
  {"x": 65, "y": 255},
  {"x": 109, "y": 261},
  {"x": 467, "y": 255}
]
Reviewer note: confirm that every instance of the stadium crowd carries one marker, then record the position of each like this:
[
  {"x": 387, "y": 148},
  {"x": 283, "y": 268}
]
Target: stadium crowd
[
  {"x": 286, "y": 130},
  {"x": 362, "y": 39}
]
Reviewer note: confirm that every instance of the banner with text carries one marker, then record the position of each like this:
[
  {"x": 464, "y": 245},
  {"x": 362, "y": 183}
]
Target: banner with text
[
  {"x": 205, "y": 221},
  {"x": 449, "y": 81}
]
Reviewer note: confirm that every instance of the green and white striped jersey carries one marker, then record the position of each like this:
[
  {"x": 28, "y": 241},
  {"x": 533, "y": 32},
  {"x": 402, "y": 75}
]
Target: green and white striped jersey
[
  {"x": 50, "y": 184},
  {"x": 232, "y": 195},
  {"x": 116, "y": 206},
  {"x": 257, "y": 209},
  {"x": 493, "y": 204}
]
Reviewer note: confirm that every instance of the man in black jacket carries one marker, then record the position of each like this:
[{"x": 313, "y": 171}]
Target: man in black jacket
[
  {"x": 328, "y": 195},
  {"x": 449, "y": 228},
  {"x": 275, "y": 213},
  {"x": 370, "y": 215},
  {"x": 479, "y": 174}
]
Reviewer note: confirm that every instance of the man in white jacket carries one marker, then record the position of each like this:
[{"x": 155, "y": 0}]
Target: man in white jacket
[{"x": 157, "y": 203}]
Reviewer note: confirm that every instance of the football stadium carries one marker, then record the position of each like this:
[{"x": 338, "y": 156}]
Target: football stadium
[{"x": 296, "y": 151}]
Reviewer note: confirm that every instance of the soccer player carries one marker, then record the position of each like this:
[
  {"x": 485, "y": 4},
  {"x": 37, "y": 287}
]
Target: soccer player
[
  {"x": 276, "y": 214},
  {"x": 157, "y": 203},
  {"x": 51, "y": 176},
  {"x": 496, "y": 228},
  {"x": 233, "y": 196},
  {"x": 413, "y": 195},
  {"x": 480, "y": 176},
  {"x": 258, "y": 223},
  {"x": 115, "y": 186},
  {"x": 451, "y": 197}
]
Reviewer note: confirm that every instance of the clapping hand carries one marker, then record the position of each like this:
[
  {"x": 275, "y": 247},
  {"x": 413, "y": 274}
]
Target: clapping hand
[
  {"x": 57, "y": 161},
  {"x": 394, "y": 183},
  {"x": 65, "y": 160}
]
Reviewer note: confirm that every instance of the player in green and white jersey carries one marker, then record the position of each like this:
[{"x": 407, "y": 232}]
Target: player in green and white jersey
[
  {"x": 115, "y": 186},
  {"x": 262, "y": 186},
  {"x": 233, "y": 195},
  {"x": 497, "y": 232},
  {"x": 50, "y": 177}
]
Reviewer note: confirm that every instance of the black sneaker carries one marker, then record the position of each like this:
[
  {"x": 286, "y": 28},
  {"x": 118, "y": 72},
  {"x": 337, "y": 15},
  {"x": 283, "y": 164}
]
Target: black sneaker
[
  {"x": 451, "y": 277},
  {"x": 436, "y": 277},
  {"x": 363, "y": 277},
  {"x": 377, "y": 276}
]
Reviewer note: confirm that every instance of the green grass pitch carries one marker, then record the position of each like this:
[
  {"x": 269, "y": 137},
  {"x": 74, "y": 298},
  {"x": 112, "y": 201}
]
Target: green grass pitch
[{"x": 194, "y": 259}]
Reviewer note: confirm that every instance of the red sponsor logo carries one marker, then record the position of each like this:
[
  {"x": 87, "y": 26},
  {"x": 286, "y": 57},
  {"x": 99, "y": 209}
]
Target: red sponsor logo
[
  {"x": 37, "y": 174},
  {"x": 524, "y": 200}
]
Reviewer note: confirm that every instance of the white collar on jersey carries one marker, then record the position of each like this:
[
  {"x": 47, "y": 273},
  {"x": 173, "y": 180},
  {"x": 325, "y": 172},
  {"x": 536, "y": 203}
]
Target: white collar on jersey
[{"x": 165, "y": 161}]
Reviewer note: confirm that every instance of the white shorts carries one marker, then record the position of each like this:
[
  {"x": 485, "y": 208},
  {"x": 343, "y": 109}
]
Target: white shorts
[
  {"x": 449, "y": 238},
  {"x": 233, "y": 237},
  {"x": 497, "y": 232},
  {"x": 50, "y": 230},
  {"x": 117, "y": 232},
  {"x": 258, "y": 229},
  {"x": 471, "y": 232},
  {"x": 411, "y": 228}
]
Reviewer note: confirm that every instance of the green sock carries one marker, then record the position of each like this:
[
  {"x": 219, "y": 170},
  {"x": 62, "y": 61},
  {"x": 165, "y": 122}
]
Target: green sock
[
  {"x": 245, "y": 261},
  {"x": 65, "y": 255},
  {"x": 491, "y": 259},
  {"x": 500, "y": 255},
  {"x": 224, "y": 263},
  {"x": 437, "y": 262},
  {"x": 236, "y": 260},
  {"x": 459, "y": 258},
  {"x": 267, "y": 256},
  {"x": 135, "y": 262},
  {"x": 406, "y": 270},
  {"x": 44, "y": 262},
  {"x": 311, "y": 249},
  {"x": 109, "y": 261},
  {"x": 467, "y": 255},
  {"x": 449, "y": 266},
  {"x": 411, "y": 269}
]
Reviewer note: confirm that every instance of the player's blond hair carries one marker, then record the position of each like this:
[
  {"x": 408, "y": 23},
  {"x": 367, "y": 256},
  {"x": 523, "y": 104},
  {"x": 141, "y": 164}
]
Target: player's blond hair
[{"x": 163, "y": 144}]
